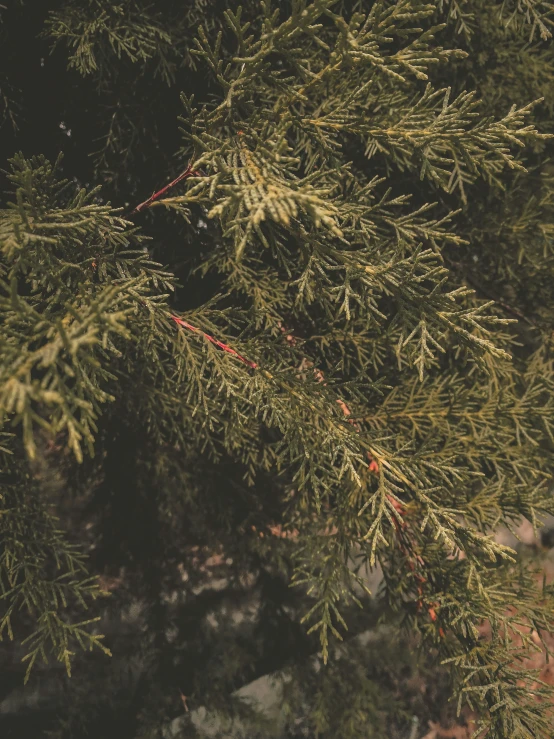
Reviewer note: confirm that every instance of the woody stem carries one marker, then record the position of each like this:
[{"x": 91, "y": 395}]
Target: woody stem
[{"x": 189, "y": 172}]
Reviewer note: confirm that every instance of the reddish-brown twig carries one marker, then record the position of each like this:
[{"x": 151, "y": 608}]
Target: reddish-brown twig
[
  {"x": 189, "y": 172},
  {"x": 215, "y": 342},
  {"x": 397, "y": 505}
]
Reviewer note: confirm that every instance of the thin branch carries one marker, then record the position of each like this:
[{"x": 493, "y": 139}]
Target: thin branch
[
  {"x": 189, "y": 172},
  {"x": 216, "y": 342},
  {"x": 472, "y": 282}
]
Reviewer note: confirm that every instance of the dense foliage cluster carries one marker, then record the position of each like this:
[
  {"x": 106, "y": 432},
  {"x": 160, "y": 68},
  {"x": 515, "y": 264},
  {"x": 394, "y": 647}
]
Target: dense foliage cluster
[{"x": 326, "y": 347}]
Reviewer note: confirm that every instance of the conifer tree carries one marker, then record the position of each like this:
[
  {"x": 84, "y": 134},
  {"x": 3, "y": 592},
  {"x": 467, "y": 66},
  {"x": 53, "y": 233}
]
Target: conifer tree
[{"x": 323, "y": 345}]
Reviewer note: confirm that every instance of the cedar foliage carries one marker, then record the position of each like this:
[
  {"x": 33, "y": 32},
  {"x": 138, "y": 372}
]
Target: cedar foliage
[{"x": 360, "y": 264}]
